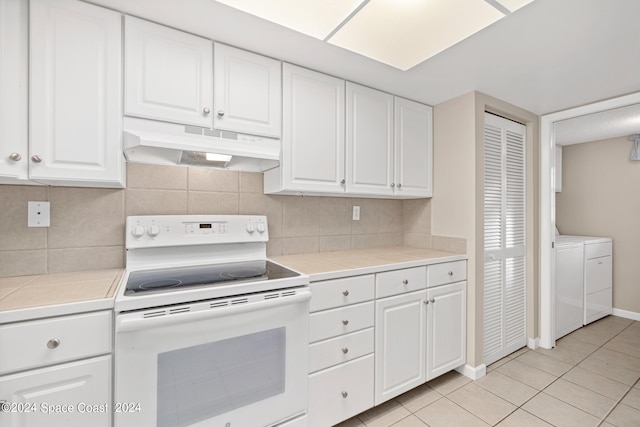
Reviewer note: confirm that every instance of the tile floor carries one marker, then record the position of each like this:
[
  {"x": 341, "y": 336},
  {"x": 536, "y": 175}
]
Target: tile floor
[{"x": 589, "y": 379}]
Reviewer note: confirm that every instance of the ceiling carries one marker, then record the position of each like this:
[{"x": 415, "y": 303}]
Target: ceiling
[
  {"x": 614, "y": 123},
  {"x": 549, "y": 55}
]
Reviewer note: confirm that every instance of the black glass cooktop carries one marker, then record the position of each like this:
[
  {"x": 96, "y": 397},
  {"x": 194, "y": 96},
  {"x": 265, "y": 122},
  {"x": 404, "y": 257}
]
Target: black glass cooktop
[{"x": 177, "y": 278}]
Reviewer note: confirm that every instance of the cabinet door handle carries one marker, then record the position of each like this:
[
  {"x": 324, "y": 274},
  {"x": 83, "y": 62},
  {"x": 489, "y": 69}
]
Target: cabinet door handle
[
  {"x": 16, "y": 157},
  {"x": 53, "y": 343},
  {"x": 36, "y": 159},
  {"x": 450, "y": 273},
  {"x": 405, "y": 281},
  {"x": 399, "y": 185},
  {"x": 393, "y": 184},
  {"x": 345, "y": 350},
  {"x": 220, "y": 113},
  {"x": 345, "y": 293},
  {"x": 345, "y": 394},
  {"x": 345, "y": 322},
  {"x": 343, "y": 182},
  {"x": 426, "y": 302},
  {"x": 206, "y": 110},
  {"x": 432, "y": 300}
]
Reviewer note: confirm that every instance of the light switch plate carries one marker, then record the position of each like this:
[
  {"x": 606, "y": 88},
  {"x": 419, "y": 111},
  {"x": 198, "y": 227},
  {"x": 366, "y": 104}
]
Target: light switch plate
[
  {"x": 39, "y": 214},
  {"x": 356, "y": 213}
]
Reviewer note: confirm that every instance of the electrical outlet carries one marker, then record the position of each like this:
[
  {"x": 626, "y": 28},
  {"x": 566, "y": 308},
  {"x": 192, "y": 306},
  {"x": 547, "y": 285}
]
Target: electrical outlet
[
  {"x": 356, "y": 213},
  {"x": 38, "y": 214}
]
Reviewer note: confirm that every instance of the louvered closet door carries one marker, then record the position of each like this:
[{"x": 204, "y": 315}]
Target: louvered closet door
[{"x": 504, "y": 238}]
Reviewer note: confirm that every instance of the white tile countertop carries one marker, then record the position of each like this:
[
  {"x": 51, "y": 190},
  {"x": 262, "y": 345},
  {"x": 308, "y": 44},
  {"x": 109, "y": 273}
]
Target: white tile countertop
[
  {"x": 33, "y": 297},
  {"x": 334, "y": 265}
]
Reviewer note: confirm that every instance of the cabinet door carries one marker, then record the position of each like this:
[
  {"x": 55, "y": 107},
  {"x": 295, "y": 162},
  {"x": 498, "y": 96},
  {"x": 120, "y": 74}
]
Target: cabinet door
[
  {"x": 414, "y": 148},
  {"x": 14, "y": 51},
  {"x": 168, "y": 74},
  {"x": 446, "y": 332},
  {"x": 74, "y": 394},
  {"x": 400, "y": 344},
  {"x": 75, "y": 117},
  {"x": 369, "y": 141},
  {"x": 247, "y": 92},
  {"x": 312, "y": 131}
]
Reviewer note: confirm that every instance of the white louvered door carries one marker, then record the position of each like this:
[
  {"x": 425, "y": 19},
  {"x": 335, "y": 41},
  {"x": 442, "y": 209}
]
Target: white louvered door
[{"x": 504, "y": 237}]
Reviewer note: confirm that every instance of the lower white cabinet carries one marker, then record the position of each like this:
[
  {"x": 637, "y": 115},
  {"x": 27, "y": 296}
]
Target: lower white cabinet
[
  {"x": 75, "y": 394},
  {"x": 401, "y": 323}
]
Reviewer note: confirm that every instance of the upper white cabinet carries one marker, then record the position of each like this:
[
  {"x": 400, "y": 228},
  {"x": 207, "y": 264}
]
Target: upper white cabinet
[
  {"x": 168, "y": 74},
  {"x": 413, "y": 130},
  {"x": 75, "y": 119},
  {"x": 313, "y": 144},
  {"x": 14, "y": 52},
  {"x": 247, "y": 92},
  {"x": 369, "y": 141}
]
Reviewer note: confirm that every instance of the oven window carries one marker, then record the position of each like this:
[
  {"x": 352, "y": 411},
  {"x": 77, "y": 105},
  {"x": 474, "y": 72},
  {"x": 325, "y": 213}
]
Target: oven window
[{"x": 200, "y": 382}]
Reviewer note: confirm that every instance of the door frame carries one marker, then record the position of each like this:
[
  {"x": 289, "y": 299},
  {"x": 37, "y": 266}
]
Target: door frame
[{"x": 548, "y": 206}]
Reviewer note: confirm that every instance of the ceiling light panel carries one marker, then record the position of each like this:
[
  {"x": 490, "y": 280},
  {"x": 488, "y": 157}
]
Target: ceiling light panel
[
  {"x": 514, "y": 5},
  {"x": 403, "y": 33},
  {"x": 316, "y": 18}
]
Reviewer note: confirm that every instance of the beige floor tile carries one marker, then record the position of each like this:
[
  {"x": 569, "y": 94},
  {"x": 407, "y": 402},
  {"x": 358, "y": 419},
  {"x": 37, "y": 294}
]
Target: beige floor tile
[
  {"x": 609, "y": 370},
  {"x": 418, "y": 398},
  {"x": 632, "y": 399},
  {"x": 497, "y": 364},
  {"x": 521, "y": 418},
  {"x": 506, "y": 387},
  {"x": 410, "y": 421},
  {"x": 484, "y": 405},
  {"x": 574, "y": 344},
  {"x": 384, "y": 415},
  {"x": 558, "y": 413},
  {"x": 448, "y": 382},
  {"x": 544, "y": 363},
  {"x": 592, "y": 337},
  {"x": 526, "y": 374},
  {"x": 562, "y": 354},
  {"x": 580, "y": 397},
  {"x": 351, "y": 422},
  {"x": 624, "y": 416},
  {"x": 617, "y": 358},
  {"x": 596, "y": 382},
  {"x": 445, "y": 413},
  {"x": 624, "y": 345},
  {"x": 518, "y": 353}
]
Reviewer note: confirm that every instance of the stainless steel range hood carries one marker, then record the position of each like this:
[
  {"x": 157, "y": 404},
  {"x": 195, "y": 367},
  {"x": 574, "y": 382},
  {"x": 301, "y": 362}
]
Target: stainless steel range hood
[{"x": 150, "y": 141}]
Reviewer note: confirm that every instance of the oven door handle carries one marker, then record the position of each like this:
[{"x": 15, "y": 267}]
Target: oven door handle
[{"x": 126, "y": 323}]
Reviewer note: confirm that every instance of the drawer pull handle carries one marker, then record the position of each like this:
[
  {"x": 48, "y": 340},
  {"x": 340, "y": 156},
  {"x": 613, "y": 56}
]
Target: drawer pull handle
[
  {"x": 345, "y": 293},
  {"x": 345, "y": 350},
  {"x": 345, "y": 394},
  {"x": 405, "y": 281},
  {"x": 450, "y": 273},
  {"x": 53, "y": 343},
  {"x": 345, "y": 322}
]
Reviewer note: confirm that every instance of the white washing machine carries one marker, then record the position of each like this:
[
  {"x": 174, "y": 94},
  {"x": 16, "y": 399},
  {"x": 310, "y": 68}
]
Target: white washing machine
[{"x": 569, "y": 291}]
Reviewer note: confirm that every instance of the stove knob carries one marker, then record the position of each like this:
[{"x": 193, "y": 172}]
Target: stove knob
[
  {"x": 138, "y": 231},
  {"x": 250, "y": 227},
  {"x": 261, "y": 227},
  {"x": 153, "y": 230}
]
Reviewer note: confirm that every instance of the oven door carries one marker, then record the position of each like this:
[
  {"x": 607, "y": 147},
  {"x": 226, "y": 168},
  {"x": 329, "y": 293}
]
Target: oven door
[{"x": 234, "y": 362}]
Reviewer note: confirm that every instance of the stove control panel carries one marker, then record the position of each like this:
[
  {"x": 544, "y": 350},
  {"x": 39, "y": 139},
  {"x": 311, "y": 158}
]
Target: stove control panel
[{"x": 182, "y": 230}]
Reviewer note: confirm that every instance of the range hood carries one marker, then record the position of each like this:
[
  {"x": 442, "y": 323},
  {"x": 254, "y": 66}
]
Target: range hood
[{"x": 150, "y": 141}]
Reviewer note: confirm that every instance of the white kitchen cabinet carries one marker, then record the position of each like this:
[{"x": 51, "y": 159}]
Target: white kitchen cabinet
[
  {"x": 369, "y": 155},
  {"x": 168, "y": 74},
  {"x": 57, "y": 371},
  {"x": 75, "y": 101},
  {"x": 413, "y": 165},
  {"x": 14, "y": 75},
  {"x": 400, "y": 349},
  {"x": 313, "y": 140},
  {"x": 247, "y": 92},
  {"x": 446, "y": 328}
]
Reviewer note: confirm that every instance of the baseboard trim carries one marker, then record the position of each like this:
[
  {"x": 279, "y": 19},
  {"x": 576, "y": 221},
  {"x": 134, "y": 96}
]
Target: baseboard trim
[
  {"x": 533, "y": 343},
  {"x": 473, "y": 372},
  {"x": 626, "y": 314}
]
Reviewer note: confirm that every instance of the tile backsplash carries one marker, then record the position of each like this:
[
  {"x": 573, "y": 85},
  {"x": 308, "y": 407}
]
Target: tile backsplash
[{"x": 87, "y": 224}]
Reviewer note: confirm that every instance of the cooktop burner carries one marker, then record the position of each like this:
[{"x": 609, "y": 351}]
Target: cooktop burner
[{"x": 172, "y": 279}]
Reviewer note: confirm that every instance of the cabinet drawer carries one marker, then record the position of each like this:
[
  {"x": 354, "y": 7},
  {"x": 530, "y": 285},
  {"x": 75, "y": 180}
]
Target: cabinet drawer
[
  {"x": 598, "y": 250},
  {"x": 340, "y": 349},
  {"x": 339, "y": 292},
  {"x": 400, "y": 281},
  {"x": 598, "y": 305},
  {"x": 341, "y": 392},
  {"x": 447, "y": 272},
  {"x": 598, "y": 274},
  {"x": 331, "y": 323},
  {"x": 28, "y": 345}
]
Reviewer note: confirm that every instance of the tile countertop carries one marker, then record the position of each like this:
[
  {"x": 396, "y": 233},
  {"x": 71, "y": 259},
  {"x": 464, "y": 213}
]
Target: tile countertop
[
  {"x": 334, "y": 265},
  {"x": 33, "y": 297}
]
